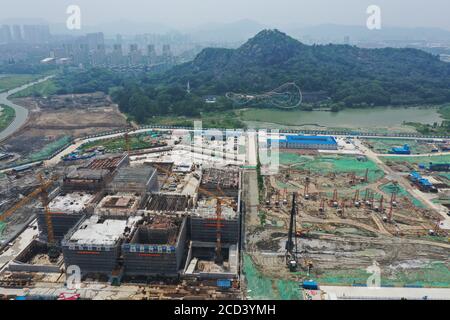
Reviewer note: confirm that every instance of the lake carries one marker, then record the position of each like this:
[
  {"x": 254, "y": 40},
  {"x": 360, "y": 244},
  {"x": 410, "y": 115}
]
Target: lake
[{"x": 378, "y": 117}]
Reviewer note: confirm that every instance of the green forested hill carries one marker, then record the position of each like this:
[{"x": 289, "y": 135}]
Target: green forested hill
[{"x": 349, "y": 75}]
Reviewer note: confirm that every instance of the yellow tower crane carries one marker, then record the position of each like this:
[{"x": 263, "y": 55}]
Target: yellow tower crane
[{"x": 42, "y": 193}]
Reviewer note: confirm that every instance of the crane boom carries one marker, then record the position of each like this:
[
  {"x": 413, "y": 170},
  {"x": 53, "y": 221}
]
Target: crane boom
[{"x": 25, "y": 200}]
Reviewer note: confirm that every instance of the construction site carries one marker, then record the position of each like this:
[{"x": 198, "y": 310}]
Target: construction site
[
  {"x": 55, "y": 120},
  {"x": 171, "y": 226},
  {"x": 174, "y": 222},
  {"x": 328, "y": 215}
]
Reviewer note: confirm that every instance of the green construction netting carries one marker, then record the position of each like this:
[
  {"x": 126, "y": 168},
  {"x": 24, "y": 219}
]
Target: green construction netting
[
  {"x": 332, "y": 163},
  {"x": 260, "y": 287},
  {"x": 445, "y": 175},
  {"x": 289, "y": 290},
  {"x": 419, "y": 159},
  {"x": 49, "y": 149},
  {"x": 401, "y": 192},
  {"x": 436, "y": 274},
  {"x": 381, "y": 145}
]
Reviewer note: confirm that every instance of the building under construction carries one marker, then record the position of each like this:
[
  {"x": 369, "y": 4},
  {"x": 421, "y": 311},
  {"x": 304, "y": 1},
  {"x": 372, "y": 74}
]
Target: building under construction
[
  {"x": 169, "y": 203},
  {"x": 66, "y": 210},
  {"x": 204, "y": 221},
  {"x": 203, "y": 263},
  {"x": 156, "y": 247},
  {"x": 86, "y": 180},
  {"x": 140, "y": 180},
  {"x": 94, "y": 244},
  {"x": 112, "y": 220},
  {"x": 110, "y": 163},
  {"x": 119, "y": 204},
  {"x": 221, "y": 182}
]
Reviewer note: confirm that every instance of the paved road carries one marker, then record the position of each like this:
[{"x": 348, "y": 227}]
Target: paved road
[
  {"x": 406, "y": 184},
  {"x": 252, "y": 149},
  {"x": 21, "y": 115},
  {"x": 341, "y": 293}
]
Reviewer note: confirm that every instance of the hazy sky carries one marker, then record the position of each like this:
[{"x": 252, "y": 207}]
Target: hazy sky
[{"x": 190, "y": 13}]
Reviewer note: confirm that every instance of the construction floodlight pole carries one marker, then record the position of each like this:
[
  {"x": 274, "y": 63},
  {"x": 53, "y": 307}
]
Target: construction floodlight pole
[{"x": 291, "y": 245}]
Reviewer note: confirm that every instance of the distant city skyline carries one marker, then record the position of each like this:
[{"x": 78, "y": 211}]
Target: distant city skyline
[{"x": 181, "y": 14}]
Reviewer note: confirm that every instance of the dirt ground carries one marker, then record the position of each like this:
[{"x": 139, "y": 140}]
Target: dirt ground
[
  {"x": 342, "y": 239},
  {"x": 49, "y": 125}
]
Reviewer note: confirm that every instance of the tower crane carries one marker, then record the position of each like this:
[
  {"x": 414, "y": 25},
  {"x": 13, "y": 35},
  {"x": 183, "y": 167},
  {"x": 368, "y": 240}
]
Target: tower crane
[
  {"x": 42, "y": 193},
  {"x": 219, "y": 201},
  {"x": 219, "y": 257}
]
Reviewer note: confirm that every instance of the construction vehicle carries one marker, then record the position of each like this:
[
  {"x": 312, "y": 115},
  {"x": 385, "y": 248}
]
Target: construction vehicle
[
  {"x": 291, "y": 244},
  {"x": 356, "y": 201},
  {"x": 310, "y": 285},
  {"x": 322, "y": 205},
  {"x": 306, "y": 190},
  {"x": 334, "y": 202}
]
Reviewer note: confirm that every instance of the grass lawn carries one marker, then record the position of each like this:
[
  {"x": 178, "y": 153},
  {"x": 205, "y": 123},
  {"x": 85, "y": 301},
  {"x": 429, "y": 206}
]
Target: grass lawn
[
  {"x": 229, "y": 120},
  {"x": 445, "y": 112},
  {"x": 137, "y": 142},
  {"x": 7, "y": 115},
  {"x": 42, "y": 89},
  {"x": 11, "y": 81}
]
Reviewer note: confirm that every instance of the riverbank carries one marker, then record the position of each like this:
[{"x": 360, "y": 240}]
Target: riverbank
[
  {"x": 7, "y": 115},
  {"x": 21, "y": 113}
]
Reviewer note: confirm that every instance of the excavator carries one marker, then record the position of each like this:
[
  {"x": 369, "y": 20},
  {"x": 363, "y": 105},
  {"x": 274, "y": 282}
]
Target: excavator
[{"x": 42, "y": 193}]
